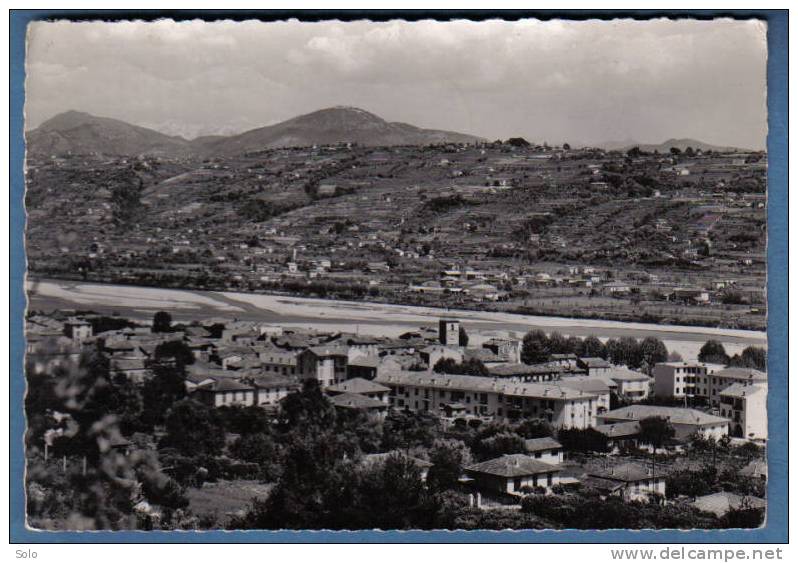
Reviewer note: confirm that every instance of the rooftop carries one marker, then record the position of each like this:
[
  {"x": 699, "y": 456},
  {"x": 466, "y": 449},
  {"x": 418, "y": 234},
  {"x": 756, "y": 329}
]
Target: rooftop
[
  {"x": 515, "y": 465},
  {"x": 676, "y": 415}
]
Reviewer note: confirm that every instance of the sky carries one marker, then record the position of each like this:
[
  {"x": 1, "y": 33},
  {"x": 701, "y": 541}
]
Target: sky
[{"x": 585, "y": 83}]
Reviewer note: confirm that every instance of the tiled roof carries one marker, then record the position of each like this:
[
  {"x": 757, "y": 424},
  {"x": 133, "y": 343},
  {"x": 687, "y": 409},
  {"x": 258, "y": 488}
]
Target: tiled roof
[
  {"x": 540, "y": 444},
  {"x": 355, "y": 401},
  {"x": 743, "y": 390},
  {"x": 676, "y": 415},
  {"x": 619, "y": 429},
  {"x": 483, "y": 384},
  {"x": 358, "y": 385},
  {"x": 515, "y": 465},
  {"x": 721, "y": 503},
  {"x": 627, "y": 472}
]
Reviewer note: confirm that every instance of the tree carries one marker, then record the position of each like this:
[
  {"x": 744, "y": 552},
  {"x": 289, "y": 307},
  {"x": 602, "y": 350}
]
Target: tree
[
  {"x": 676, "y": 151},
  {"x": 496, "y": 439},
  {"x": 471, "y": 366},
  {"x": 162, "y": 322},
  {"x": 97, "y": 485},
  {"x": 558, "y": 344},
  {"x": 166, "y": 387},
  {"x": 656, "y": 431},
  {"x": 652, "y": 351},
  {"x": 175, "y": 351},
  {"x": 463, "y": 337},
  {"x": 713, "y": 352},
  {"x": 566, "y": 146},
  {"x": 193, "y": 429},
  {"x": 592, "y": 347},
  {"x": 689, "y": 151},
  {"x": 307, "y": 407},
  {"x": 448, "y": 458},
  {"x": 582, "y": 440},
  {"x": 404, "y": 430},
  {"x": 534, "y": 428},
  {"x": 755, "y": 357},
  {"x": 518, "y": 142},
  {"x": 535, "y": 347}
]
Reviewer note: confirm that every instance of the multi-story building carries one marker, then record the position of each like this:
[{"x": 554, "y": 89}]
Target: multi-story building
[
  {"x": 561, "y": 406},
  {"x": 685, "y": 422},
  {"x": 325, "y": 364},
  {"x": 746, "y": 406},
  {"x": 724, "y": 378},
  {"x": 631, "y": 385},
  {"x": 696, "y": 380},
  {"x": 679, "y": 380},
  {"x": 449, "y": 332}
]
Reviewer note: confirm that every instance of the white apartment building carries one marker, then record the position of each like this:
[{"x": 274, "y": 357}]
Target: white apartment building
[
  {"x": 562, "y": 407},
  {"x": 746, "y": 406}
]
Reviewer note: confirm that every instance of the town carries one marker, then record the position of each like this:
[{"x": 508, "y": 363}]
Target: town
[
  {"x": 223, "y": 423},
  {"x": 677, "y": 237}
]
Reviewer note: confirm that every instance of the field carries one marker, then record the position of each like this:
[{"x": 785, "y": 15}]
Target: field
[{"x": 225, "y": 498}]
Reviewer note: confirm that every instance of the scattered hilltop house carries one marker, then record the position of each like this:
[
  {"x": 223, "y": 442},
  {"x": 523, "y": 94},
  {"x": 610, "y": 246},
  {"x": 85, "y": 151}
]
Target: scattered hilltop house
[
  {"x": 630, "y": 481},
  {"x": 226, "y": 392},
  {"x": 685, "y": 422},
  {"x": 325, "y": 364},
  {"x": 746, "y": 406},
  {"x": 616, "y": 288},
  {"x": 509, "y": 474},
  {"x": 721, "y": 503},
  {"x": 546, "y": 449}
]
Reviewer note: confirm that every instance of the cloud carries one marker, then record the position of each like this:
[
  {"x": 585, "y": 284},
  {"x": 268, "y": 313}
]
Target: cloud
[{"x": 585, "y": 81}]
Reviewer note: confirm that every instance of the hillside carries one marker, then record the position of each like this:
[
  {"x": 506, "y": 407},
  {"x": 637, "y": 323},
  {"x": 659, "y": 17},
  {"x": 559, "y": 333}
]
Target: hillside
[
  {"x": 666, "y": 146},
  {"x": 82, "y": 133}
]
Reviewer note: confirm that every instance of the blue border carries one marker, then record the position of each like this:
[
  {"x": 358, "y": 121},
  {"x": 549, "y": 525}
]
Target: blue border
[{"x": 776, "y": 529}]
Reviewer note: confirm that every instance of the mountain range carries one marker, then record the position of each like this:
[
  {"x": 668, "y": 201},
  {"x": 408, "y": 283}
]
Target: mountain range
[
  {"x": 665, "y": 147},
  {"x": 82, "y": 133}
]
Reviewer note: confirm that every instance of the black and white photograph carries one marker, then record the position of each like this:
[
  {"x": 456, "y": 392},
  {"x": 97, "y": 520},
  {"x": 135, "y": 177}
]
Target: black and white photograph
[{"x": 396, "y": 275}]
